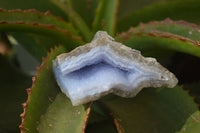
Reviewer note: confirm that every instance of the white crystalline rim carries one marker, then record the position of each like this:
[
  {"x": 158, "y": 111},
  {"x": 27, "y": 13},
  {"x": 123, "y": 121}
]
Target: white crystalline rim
[
  {"x": 104, "y": 47},
  {"x": 71, "y": 65}
]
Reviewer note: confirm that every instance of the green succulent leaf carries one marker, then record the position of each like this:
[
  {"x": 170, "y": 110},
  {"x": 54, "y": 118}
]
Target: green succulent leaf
[
  {"x": 85, "y": 8},
  {"x": 62, "y": 36},
  {"x": 61, "y": 116},
  {"x": 38, "y": 45},
  {"x": 106, "y": 16},
  {"x": 34, "y": 16},
  {"x": 182, "y": 28},
  {"x": 177, "y": 10},
  {"x": 129, "y": 6},
  {"x": 39, "y": 23},
  {"x": 192, "y": 124},
  {"x": 12, "y": 93},
  {"x": 194, "y": 90},
  {"x": 161, "y": 110},
  {"x": 40, "y": 95},
  {"x": 76, "y": 19},
  {"x": 166, "y": 35},
  {"x": 46, "y": 105},
  {"x": 40, "y": 5}
]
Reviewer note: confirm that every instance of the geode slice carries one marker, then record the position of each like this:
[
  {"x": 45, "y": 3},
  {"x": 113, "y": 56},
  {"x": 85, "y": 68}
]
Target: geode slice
[{"x": 105, "y": 66}]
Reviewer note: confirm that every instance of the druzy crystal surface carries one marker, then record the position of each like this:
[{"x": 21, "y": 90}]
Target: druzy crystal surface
[{"x": 106, "y": 66}]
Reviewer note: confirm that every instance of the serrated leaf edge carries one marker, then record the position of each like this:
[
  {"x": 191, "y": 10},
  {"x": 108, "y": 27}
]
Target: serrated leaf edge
[
  {"x": 117, "y": 125},
  {"x": 170, "y": 21},
  {"x": 44, "y": 26},
  {"x": 86, "y": 118},
  {"x": 29, "y": 90},
  {"x": 47, "y": 13},
  {"x": 156, "y": 33},
  {"x": 119, "y": 129},
  {"x": 193, "y": 97},
  {"x": 52, "y": 27}
]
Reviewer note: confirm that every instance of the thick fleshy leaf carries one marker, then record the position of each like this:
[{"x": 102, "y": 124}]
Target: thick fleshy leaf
[
  {"x": 76, "y": 19},
  {"x": 85, "y": 8},
  {"x": 38, "y": 45},
  {"x": 62, "y": 117},
  {"x": 64, "y": 36},
  {"x": 44, "y": 102},
  {"x": 168, "y": 35},
  {"x": 194, "y": 90},
  {"x": 12, "y": 93},
  {"x": 177, "y": 10},
  {"x": 34, "y": 16},
  {"x": 129, "y": 6},
  {"x": 192, "y": 124},
  {"x": 33, "y": 21},
  {"x": 160, "y": 110},
  {"x": 39, "y": 23},
  {"x": 40, "y": 95},
  {"x": 30, "y": 21},
  {"x": 40, "y": 5},
  {"x": 182, "y": 28},
  {"x": 151, "y": 45},
  {"x": 106, "y": 15}
]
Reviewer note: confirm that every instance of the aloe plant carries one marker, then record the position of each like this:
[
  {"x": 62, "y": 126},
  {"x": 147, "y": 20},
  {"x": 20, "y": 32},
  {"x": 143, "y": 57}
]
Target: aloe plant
[{"x": 165, "y": 29}]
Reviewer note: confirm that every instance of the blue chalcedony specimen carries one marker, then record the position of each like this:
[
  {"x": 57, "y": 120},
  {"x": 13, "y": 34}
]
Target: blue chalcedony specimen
[{"x": 105, "y": 66}]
